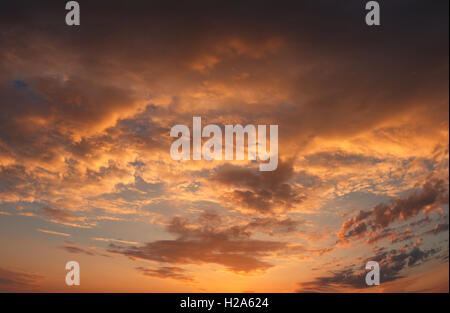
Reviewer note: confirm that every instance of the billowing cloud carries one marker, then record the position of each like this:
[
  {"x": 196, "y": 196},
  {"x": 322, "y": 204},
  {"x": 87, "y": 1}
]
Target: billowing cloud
[
  {"x": 86, "y": 115},
  {"x": 392, "y": 263},
  {"x": 260, "y": 191},
  {"x": 231, "y": 247},
  {"x": 433, "y": 194}
]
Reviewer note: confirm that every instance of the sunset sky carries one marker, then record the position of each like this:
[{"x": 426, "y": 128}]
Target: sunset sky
[{"x": 86, "y": 172}]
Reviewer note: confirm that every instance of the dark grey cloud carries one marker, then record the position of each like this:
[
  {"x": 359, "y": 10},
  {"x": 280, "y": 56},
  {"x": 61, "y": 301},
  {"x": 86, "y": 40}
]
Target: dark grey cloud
[
  {"x": 433, "y": 193},
  {"x": 438, "y": 228},
  {"x": 77, "y": 250},
  {"x": 207, "y": 242},
  {"x": 363, "y": 62},
  {"x": 139, "y": 190},
  {"x": 260, "y": 191},
  {"x": 340, "y": 158},
  {"x": 274, "y": 226},
  {"x": 392, "y": 263},
  {"x": 58, "y": 214}
]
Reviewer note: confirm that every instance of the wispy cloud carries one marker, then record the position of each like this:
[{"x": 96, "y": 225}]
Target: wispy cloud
[
  {"x": 116, "y": 240},
  {"x": 52, "y": 232}
]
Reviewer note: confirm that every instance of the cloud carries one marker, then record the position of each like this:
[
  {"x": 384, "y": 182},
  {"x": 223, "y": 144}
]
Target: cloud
[
  {"x": 393, "y": 236},
  {"x": 231, "y": 247},
  {"x": 58, "y": 214},
  {"x": 63, "y": 217},
  {"x": 52, "y": 232},
  {"x": 73, "y": 248},
  {"x": 77, "y": 250},
  {"x": 116, "y": 240},
  {"x": 402, "y": 236},
  {"x": 392, "y": 264},
  {"x": 339, "y": 158},
  {"x": 273, "y": 226},
  {"x": 13, "y": 280},
  {"x": 433, "y": 193},
  {"x": 84, "y": 124},
  {"x": 262, "y": 192},
  {"x": 166, "y": 272},
  {"x": 438, "y": 228},
  {"x": 139, "y": 190}
]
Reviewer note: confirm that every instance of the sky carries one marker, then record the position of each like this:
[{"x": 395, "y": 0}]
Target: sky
[{"x": 85, "y": 167}]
